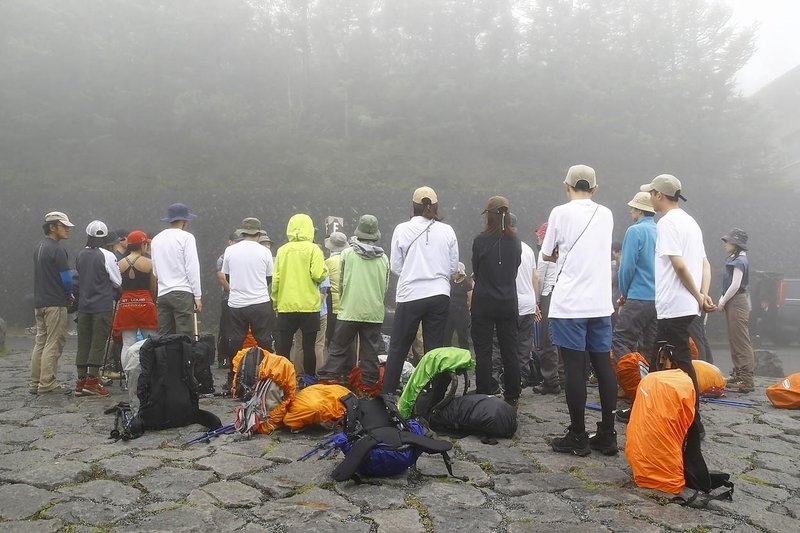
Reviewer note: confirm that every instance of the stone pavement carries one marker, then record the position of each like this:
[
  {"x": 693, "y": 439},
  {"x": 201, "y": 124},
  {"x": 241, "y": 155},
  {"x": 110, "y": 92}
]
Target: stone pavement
[{"x": 59, "y": 472}]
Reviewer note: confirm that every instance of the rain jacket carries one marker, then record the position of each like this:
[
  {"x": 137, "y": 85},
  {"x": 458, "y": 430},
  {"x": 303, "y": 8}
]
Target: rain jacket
[
  {"x": 364, "y": 278},
  {"x": 299, "y": 269},
  {"x": 447, "y": 359}
]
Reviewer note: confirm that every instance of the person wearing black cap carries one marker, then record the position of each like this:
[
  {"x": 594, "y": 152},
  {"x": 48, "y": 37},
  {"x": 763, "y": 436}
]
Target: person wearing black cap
[
  {"x": 735, "y": 302},
  {"x": 118, "y": 243},
  {"x": 683, "y": 275},
  {"x": 177, "y": 269}
]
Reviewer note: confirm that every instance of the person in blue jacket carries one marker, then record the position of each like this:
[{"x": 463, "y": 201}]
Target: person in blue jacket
[{"x": 635, "y": 328}]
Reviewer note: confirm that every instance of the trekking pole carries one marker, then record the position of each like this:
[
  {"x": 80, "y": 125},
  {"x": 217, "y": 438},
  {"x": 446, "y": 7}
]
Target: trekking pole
[
  {"x": 206, "y": 437},
  {"x": 196, "y": 329},
  {"x": 733, "y": 403},
  {"x": 318, "y": 448}
]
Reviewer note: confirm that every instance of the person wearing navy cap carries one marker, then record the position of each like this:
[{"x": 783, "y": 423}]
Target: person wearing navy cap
[{"x": 177, "y": 268}]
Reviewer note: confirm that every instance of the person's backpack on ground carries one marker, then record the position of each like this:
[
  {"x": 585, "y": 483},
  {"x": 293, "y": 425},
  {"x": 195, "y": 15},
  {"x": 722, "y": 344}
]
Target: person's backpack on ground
[
  {"x": 786, "y": 393},
  {"x": 204, "y": 350},
  {"x": 275, "y": 388},
  {"x": 245, "y": 372},
  {"x": 315, "y": 404},
  {"x": 166, "y": 388}
]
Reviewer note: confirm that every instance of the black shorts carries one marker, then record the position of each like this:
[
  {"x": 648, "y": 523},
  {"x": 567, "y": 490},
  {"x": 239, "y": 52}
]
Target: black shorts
[{"x": 305, "y": 322}]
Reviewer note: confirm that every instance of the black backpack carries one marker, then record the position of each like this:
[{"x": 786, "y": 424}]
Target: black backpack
[
  {"x": 167, "y": 388},
  {"x": 697, "y": 475},
  {"x": 440, "y": 405},
  {"x": 204, "y": 354},
  {"x": 247, "y": 373}
]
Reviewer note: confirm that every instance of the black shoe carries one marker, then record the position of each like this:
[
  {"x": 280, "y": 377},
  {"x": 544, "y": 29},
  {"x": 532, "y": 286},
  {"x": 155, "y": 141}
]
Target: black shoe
[
  {"x": 546, "y": 389},
  {"x": 624, "y": 415},
  {"x": 701, "y": 430},
  {"x": 572, "y": 442},
  {"x": 513, "y": 402},
  {"x": 604, "y": 441}
]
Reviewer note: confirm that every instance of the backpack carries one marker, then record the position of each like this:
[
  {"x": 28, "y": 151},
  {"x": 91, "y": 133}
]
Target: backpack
[
  {"x": 786, "y": 394},
  {"x": 167, "y": 388},
  {"x": 378, "y": 441},
  {"x": 433, "y": 363},
  {"x": 245, "y": 372},
  {"x": 709, "y": 378},
  {"x": 204, "y": 355},
  {"x": 317, "y": 404},
  {"x": 275, "y": 388},
  {"x": 631, "y": 369}
]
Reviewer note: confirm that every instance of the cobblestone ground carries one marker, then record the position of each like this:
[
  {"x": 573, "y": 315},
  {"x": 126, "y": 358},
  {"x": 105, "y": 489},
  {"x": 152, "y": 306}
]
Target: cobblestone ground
[{"x": 59, "y": 472}]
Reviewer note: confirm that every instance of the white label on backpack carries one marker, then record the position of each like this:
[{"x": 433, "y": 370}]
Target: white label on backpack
[{"x": 786, "y": 384}]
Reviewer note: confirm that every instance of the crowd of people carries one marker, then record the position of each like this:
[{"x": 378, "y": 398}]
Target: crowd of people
[{"x": 327, "y": 313}]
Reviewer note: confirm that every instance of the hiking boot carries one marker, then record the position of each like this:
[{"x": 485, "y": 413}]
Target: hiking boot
[
  {"x": 93, "y": 387},
  {"x": 58, "y": 388},
  {"x": 546, "y": 389},
  {"x": 513, "y": 402},
  {"x": 573, "y": 442},
  {"x": 740, "y": 386},
  {"x": 79, "y": 386},
  {"x": 33, "y": 389},
  {"x": 604, "y": 441},
  {"x": 624, "y": 415}
]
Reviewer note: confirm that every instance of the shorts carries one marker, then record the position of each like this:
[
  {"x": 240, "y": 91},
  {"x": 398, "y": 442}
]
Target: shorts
[
  {"x": 305, "y": 322},
  {"x": 581, "y": 334}
]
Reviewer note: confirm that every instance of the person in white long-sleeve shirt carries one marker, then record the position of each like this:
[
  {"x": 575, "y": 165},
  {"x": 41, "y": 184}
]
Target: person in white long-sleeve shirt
[
  {"x": 425, "y": 256},
  {"x": 177, "y": 268}
]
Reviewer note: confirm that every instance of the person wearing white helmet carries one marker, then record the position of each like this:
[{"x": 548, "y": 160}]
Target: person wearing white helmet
[
  {"x": 99, "y": 278},
  {"x": 52, "y": 292}
]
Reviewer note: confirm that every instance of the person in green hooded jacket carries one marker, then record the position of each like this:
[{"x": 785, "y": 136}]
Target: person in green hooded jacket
[{"x": 299, "y": 269}]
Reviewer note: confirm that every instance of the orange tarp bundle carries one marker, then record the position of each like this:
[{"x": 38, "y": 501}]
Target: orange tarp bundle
[
  {"x": 631, "y": 368},
  {"x": 314, "y": 405},
  {"x": 786, "y": 394},
  {"x": 661, "y": 416},
  {"x": 709, "y": 377}
]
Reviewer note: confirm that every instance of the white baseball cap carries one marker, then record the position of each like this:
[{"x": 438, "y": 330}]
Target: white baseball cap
[{"x": 97, "y": 228}]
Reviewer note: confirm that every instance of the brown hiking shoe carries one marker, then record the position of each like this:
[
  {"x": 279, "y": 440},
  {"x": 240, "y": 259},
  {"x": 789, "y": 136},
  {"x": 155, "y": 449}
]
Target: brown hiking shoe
[
  {"x": 740, "y": 386},
  {"x": 93, "y": 387},
  {"x": 79, "y": 386}
]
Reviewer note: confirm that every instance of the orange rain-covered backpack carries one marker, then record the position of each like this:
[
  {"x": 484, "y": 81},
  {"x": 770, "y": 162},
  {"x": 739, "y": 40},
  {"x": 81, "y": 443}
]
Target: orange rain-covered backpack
[
  {"x": 276, "y": 387},
  {"x": 245, "y": 366},
  {"x": 315, "y": 405},
  {"x": 709, "y": 378},
  {"x": 786, "y": 394},
  {"x": 660, "y": 418},
  {"x": 631, "y": 369}
]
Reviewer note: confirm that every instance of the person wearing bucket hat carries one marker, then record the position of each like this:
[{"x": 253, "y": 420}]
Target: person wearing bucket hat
[
  {"x": 99, "y": 280},
  {"x": 735, "y": 302},
  {"x": 248, "y": 267},
  {"x": 364, "y": 271},
  {"x": 424, "y": 255},
  {"x": 52, "y": 294},
  {"x": 578, "y": 239},
  {"x": 635, "y": 327},
  {"x": 177, "y": 268},
  {"x": 336, "y": 243},
  {"x": 682, "y": 274}
]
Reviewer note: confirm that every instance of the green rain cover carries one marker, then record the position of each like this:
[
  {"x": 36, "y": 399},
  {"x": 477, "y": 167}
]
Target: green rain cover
[{"x": 447, "y": 359}]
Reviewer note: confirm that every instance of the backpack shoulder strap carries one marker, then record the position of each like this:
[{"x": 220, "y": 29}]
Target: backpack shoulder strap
[{"x": 358, "y": 453}]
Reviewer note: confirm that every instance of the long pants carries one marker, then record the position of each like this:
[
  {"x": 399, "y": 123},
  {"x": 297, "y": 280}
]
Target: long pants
[
  {"x": 175, "y": 313},
  {"x": 483, "y": 329},
  {"x": 94, "y": 330},
  {"x": 737, "y": 314},
  {"x": 432, "y": 312},
  {"x": 458, "y": 323},
  {"x": 340, "y": 361},
  {"x": 635, "y": 330},
  {"x": 675, "y": 332},
  {"x": 575, "y": 389},
  {"x": 551, "y": 361},
  {"x": 225, "y": 350},
  {"x": 259, "y": 318},
  {"x": 319, "y": 347},
  {"x": 132, "y": 375},
  {"x": 525, "y": 335},
  {"x": 333, "y": 320},
  {"x": 697, "y": 331},
  {"x": 51, "y": 335},
  {"x": 309, "y": 324}
]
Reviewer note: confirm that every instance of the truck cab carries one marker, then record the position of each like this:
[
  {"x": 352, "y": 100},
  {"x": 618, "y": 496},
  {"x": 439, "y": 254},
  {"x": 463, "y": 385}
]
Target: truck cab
[{"x": 776, "y": 308}]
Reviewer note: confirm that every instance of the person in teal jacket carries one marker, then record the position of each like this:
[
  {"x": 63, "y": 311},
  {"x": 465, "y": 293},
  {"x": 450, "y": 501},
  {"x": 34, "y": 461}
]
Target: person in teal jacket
[
  {"x": 364, "y": 276},
  {"x": 298, "y": 271},
  {"x": 635, "y": 328}
]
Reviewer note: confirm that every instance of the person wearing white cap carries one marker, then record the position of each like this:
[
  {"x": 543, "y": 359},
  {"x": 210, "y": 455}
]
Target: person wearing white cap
[
  {"x": 52, "y": 292},
  {"x": 425, "y": 256},
  {"x": 683, "y": 275},
  {"x": 100, "y": 278},
  {"x": 635, "y": 328}
]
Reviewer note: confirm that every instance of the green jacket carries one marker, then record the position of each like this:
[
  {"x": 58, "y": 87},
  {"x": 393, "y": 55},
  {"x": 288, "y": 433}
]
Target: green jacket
[
  {"x": 447, "y": 359},
  {"x": 333, "y": 271},
  {"x": 299, "y": 269},
  {"x": 362, "y": 286}
]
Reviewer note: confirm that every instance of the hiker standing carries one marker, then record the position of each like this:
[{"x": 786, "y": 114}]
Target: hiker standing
[
  {"x": 177, "y": 268},
  {"x": 248, "y": 267},
  {"x": 336, "y": 243},
  {"x": 99, "y": 278},
  {"x": 299, "y": 270},
  {"x": 52, "y": 294},
  {"x": 319, "y": 340},
  {"x": 551, "y": 364},
  {"x": 364, "y": 278},
  {"x": 528, "y": 313},
  {"x": 425, "y": 256},
  {"x": 683, "y": 275},
  {"x": 735, "y": 302},
  {"x": 635, "y": 328},
  {"x": 225, "y": 350},
  {"x": 496, "y": 256},
  {"x": 578, "y": 238},
  {"x": 458, "y": 316}
]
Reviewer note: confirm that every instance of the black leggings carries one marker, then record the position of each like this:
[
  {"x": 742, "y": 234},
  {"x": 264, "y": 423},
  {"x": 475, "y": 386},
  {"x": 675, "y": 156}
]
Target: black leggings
[{"x": 575, "y": 388}]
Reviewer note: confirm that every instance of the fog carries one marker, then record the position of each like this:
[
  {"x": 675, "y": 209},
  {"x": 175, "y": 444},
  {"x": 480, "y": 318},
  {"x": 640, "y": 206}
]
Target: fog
[{"x": 114, "y": 110}]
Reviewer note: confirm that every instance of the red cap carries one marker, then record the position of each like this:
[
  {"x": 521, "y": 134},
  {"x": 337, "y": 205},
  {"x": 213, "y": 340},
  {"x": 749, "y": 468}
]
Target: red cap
[
  {"x": 137, "y": 237},
  {"x": 541, "y": 231}
]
